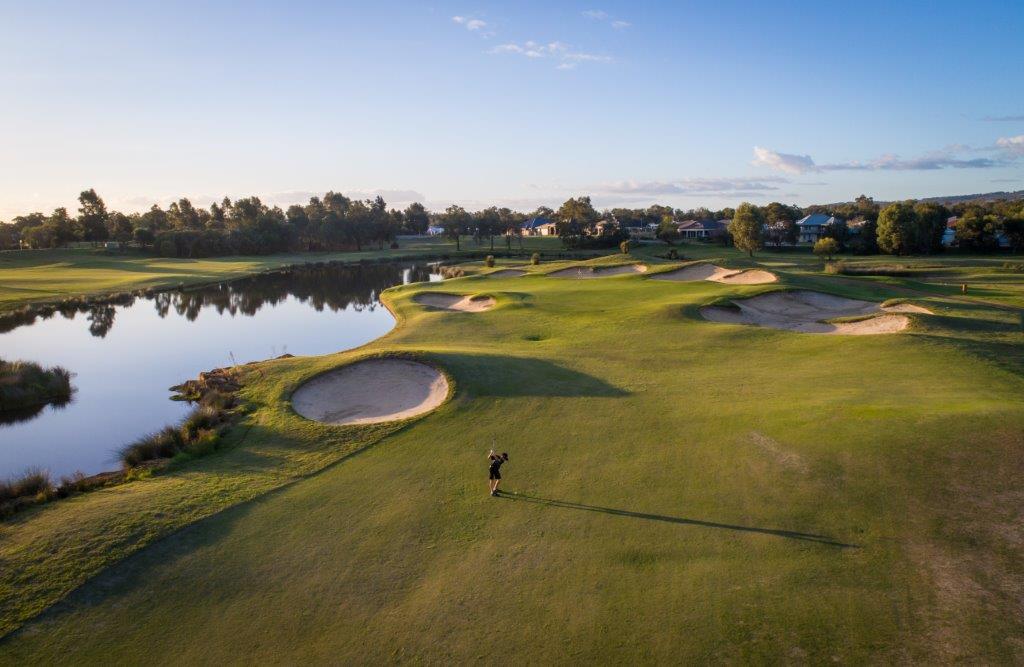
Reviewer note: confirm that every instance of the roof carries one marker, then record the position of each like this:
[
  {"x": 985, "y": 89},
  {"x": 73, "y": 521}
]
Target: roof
[
  {"x": 707, "y": 225},
  {"x": 534, "y": 223},
  {"x": 815, "y": 220}
]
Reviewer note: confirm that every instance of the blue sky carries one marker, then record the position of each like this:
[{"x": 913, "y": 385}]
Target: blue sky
[{"x": 683, "y": 103}]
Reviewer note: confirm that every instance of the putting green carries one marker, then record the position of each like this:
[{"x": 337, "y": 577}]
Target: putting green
[{"x": 684, "y": 492}]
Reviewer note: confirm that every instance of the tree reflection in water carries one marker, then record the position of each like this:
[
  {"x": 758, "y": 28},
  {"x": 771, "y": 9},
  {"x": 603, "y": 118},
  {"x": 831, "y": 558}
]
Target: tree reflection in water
[{"x": 331, "y": 286}]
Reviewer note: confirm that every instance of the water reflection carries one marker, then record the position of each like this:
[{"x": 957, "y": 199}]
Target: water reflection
[{"x": 126, "y": 354}]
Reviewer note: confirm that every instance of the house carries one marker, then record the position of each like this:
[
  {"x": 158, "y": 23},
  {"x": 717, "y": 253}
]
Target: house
[
  {"x": 815, "y": 225},
  {"x": 607, "y": 227},
  {"x": 646, "y": 232},
  {"x": 540, "y": 226},
  {"x": 949, "y": 236},
  {"x": 434, "y": 230},
  {"x": 702, "y": 229}
]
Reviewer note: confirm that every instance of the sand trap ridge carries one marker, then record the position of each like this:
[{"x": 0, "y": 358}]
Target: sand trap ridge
[
  {"x": 586, "y": 272},
  {"x": 372, "y": 391},
  {"x": 705, "y": 271},
  {"x": 506, "y": 273},
  {"x": 805, "y": 311},
  {"x": 459, "y": 302}
]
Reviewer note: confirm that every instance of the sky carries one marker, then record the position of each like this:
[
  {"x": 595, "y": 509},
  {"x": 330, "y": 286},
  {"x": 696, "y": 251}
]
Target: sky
[{"x": 515, "y": 104}]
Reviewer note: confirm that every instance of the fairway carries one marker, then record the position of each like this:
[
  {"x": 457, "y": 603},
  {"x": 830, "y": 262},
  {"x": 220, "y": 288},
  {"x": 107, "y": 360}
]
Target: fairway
[{"x": 678, "y": 490}]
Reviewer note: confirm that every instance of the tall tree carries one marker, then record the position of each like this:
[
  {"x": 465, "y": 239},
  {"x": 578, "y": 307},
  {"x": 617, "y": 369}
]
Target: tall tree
[
  {"x": 575, "y": 218},
  {"x": 747, "y": 228},
  {"x": 416, "y": 218},
  {"x": 897, "y": 229},
  {"x": 455, "y": 221},
  {"x": 92, "y": 216}
]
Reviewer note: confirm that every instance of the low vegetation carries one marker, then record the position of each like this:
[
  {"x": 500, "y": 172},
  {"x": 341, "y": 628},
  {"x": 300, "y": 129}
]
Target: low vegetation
[{"x": 24, "y": 384}]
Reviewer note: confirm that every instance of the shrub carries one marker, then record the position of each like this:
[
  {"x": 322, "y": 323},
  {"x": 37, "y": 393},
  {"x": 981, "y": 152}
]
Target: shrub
[
  {"x": 25, "y": 384},
  {"x": 489, "y": 261},
  {"x": 394, "y": 245},
  {"x": 32, "y": 484},
  {"x": 624, "y": 247},
  {"x": 165, "y": 443},
  {"x": 826, "y": 246},
  {"x": 535, "y": 258},
  {"x": 672, "y": 254}
]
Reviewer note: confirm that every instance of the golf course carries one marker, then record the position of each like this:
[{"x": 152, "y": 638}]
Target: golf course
[{"x": 681, "y": 488}]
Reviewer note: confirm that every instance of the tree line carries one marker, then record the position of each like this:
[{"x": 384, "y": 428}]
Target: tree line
[{"x": 337, "y": 222}]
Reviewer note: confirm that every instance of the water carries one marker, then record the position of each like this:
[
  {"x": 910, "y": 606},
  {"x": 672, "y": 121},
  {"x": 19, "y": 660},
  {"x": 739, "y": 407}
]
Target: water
[{"x": 125, "y": 357}]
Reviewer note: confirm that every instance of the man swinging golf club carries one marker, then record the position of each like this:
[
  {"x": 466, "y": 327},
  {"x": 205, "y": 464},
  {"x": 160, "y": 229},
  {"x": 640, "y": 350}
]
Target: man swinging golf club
[{"x": 494, "y": 470}]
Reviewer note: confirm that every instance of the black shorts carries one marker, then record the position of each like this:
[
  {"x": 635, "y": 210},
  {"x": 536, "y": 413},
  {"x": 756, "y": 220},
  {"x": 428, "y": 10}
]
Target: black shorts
[{"x": 495, "y": 475}]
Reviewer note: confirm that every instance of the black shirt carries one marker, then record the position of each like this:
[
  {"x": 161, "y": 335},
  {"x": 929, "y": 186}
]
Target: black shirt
[{"x": 496, "y": 462}]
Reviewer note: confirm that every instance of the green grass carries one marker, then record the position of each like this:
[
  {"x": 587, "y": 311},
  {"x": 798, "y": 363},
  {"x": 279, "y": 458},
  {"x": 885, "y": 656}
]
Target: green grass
[
  {"x": 685, "y": 492},
  {"x": 47, "y": 275}
]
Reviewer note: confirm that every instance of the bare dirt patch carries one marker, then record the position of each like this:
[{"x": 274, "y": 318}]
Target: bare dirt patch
[
  {"x": 808, "y": 312},
  {"x": 372, "y": 391},
  {"x": 586, "y": 272},
  {"x": 718, "y": 274},
  {"x": 458, "y": 302}
]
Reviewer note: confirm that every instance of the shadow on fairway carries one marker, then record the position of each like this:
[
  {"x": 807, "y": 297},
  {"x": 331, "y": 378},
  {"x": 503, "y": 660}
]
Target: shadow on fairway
[
  {"x": 789, "y": 534},
  {"x": 506, "y": 376}
]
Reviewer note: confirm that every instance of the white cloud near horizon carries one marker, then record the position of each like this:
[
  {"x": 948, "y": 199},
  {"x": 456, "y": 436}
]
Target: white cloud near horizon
[
  {"x": 786, "y": 162},
  {"x": 692, "y": 186},
  {"x": 1009, "y": 149}
]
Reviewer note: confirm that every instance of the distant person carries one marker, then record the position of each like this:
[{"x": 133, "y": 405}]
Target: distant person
[{"x": 494, "y": 469}]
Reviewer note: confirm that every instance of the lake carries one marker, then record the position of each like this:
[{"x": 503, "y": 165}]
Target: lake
[{"x": 126, "y": 356}]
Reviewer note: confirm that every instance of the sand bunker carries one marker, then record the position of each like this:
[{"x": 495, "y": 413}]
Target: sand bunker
[
  {"x": 585, "y": 272},
  {"x": 704, "y": 271},
  {"x": 807, "y": 312},
  {"x": 372, "y": 391},
  {"x": 459, "y": 302},
  {"x": 506, "y": 273}
]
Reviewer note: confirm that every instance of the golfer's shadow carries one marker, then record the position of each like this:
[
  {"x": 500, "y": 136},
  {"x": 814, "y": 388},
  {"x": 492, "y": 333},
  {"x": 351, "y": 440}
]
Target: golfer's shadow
[{"x": 788, "y": 534}]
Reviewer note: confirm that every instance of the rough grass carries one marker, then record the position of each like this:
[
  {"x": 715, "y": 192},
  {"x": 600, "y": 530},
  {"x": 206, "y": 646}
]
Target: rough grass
[
  {"x": 25, "y": 384},
  {"x": 683, "y": 492}
]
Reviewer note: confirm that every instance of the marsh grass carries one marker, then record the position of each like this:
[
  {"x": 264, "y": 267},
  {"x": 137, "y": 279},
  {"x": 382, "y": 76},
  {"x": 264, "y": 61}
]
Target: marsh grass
[{"x": 25, "y": 384}]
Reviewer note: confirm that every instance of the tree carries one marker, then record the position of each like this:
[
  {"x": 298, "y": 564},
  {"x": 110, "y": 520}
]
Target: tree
[
  {"x": 144, "y": 236},
  {"x": 575, "y": 218},
  {"x": 668, "y": 230},
  {"x": 183, "y": 215},
  {"x": 977, "y": 230},
  {"x": 747, "y": 228},
  {"x": 930, "y": 226},
  {"x": 416, "y": 218},
  {"x": 119, "y": 227},
  {"x": 488, "y": 223},
  {"x": 455, "y": 221},
  {"x": 92, "y": 216},
  {"x": 897, "y": 228},
  {"x": 1013, "y": 227},
  {"x": 826, "y": 246}
]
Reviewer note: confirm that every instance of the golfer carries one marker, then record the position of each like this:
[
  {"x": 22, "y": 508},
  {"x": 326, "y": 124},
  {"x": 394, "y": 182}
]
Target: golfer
[{"x": 494, "y": 469}]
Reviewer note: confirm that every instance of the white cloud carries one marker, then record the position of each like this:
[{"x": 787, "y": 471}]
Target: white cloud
[
  {"x": 1012, "y": 145},
  {"x": 787, "y": 162},
  {"x": 946, "y": 158},
  {"x": 621, "y": 25},
  {"x": 470, "y": 24},
  {"x": 596, "y": 14},
  {"x": 693, "y": 186},
  {"x": 559, "y": 51}
]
